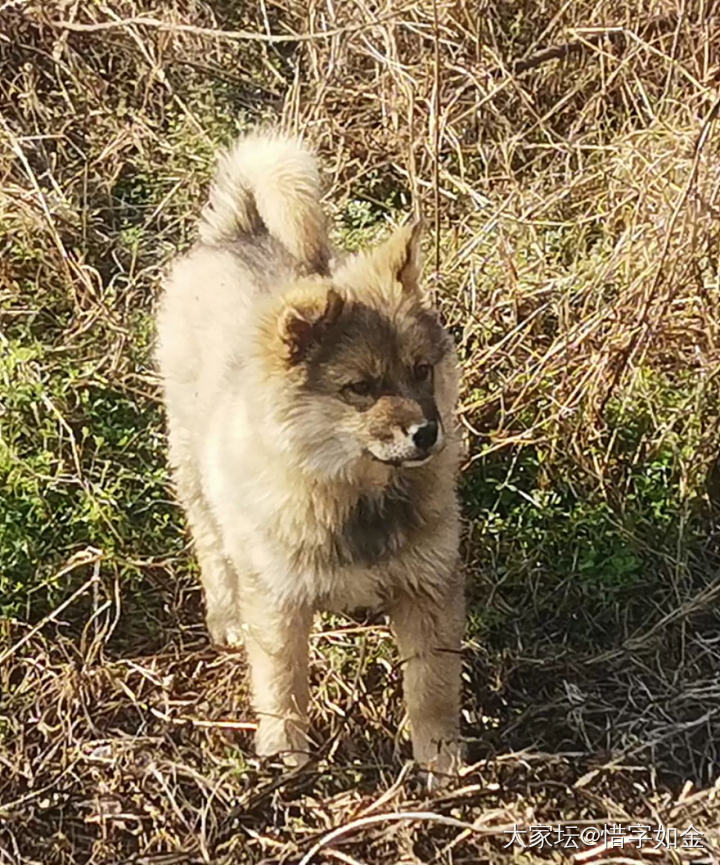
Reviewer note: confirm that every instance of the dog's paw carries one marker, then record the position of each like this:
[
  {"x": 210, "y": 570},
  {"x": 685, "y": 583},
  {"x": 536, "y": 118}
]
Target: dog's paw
[
  {"x": 225, "y": 631},
  {"x": 284, "y": 739},
  {"x": 287, "y": 759},
  {"x": 443, "y": 767}
]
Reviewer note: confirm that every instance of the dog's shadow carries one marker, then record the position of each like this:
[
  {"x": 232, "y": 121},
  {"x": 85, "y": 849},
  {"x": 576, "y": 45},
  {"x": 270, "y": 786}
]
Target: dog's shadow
[
  {"x": 653, "y": 701},
  {"x": 592, "y": 623}
]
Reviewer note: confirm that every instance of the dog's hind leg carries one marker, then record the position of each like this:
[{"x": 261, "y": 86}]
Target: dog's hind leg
[
  {"x": 217, "y": 574},
  {"x": 219, "y": 580},
  {"x": 276, "y": 642},
  {"x": 429, "y": 634}
]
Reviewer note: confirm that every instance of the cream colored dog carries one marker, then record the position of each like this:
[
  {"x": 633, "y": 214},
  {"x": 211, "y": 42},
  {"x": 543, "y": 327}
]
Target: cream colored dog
[{"x": 313, "y": 441}]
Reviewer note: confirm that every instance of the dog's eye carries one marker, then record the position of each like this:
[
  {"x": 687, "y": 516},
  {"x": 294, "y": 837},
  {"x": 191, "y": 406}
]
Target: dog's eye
[
  {"x": 359, "y": 388},
  {"x": 423, "y": 371}
]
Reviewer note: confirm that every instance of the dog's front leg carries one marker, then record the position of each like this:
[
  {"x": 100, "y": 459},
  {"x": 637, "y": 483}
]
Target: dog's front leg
[
  {"x": 429, "y": 634},
  {"x": 276, "y": 642}
]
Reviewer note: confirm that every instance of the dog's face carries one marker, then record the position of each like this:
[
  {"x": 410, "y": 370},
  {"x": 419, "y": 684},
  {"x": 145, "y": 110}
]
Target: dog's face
[{"x": 368, "y": 373}]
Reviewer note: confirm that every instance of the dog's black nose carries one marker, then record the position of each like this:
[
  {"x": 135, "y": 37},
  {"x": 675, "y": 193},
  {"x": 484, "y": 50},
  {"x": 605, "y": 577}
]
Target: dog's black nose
[{"x": 426, "y": 436}]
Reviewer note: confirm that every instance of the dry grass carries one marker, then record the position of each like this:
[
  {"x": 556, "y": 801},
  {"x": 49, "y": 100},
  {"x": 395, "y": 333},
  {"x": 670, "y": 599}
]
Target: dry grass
[{"x": 565, "y": 156}]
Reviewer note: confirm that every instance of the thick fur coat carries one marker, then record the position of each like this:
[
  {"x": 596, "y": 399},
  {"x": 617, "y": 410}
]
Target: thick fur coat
[{"x": 313, "y": 440}]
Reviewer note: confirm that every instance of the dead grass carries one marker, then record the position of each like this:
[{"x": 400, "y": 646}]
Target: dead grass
[{"x": 565, "y": 156}]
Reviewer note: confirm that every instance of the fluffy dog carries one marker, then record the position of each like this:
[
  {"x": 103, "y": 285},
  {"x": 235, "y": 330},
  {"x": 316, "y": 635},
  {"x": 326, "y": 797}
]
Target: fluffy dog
[{"x": 313, "y": 439}]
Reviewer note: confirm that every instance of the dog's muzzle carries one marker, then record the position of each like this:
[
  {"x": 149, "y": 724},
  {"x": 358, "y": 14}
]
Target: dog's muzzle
[{"x": 412, "y": 446}]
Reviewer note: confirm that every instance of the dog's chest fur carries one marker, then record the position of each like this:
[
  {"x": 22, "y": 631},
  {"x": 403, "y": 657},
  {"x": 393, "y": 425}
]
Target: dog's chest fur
[
  {"x": 377, "y": 526},
  {"x": 362, "y": 529}
]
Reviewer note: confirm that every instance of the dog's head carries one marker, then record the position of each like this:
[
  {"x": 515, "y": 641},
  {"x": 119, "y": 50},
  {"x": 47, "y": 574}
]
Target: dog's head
[{"x": 366, "y": 370}]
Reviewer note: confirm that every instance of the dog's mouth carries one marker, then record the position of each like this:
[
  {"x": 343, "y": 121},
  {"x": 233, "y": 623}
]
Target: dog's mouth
[{"x": 405, "y": 462}]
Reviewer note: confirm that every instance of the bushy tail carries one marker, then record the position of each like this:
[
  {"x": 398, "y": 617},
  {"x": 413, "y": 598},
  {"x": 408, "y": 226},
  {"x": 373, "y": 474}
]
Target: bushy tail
[{"x": 269, "y": 181}]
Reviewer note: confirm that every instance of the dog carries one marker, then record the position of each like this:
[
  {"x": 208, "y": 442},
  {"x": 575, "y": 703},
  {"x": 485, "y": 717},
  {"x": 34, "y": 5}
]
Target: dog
[{"x": 313, "y": 438}]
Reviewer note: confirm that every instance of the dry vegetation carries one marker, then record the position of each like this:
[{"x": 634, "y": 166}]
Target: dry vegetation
[{"x": 567, "y": 158}]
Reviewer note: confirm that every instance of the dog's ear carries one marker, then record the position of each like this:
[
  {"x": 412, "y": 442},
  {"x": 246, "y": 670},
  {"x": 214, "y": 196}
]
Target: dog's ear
[
  {"x": 303, "y": 321},
  {"x": 401, "y": 254}
]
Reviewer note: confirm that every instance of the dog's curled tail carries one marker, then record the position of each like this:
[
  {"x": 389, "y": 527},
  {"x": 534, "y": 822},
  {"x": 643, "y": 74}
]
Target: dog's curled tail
[{"x": 269, "y": 182}]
